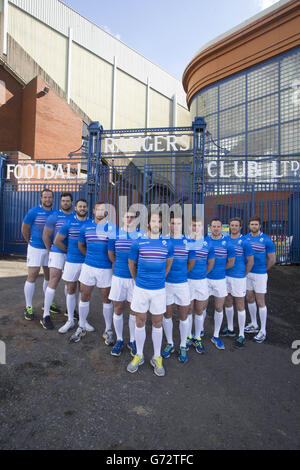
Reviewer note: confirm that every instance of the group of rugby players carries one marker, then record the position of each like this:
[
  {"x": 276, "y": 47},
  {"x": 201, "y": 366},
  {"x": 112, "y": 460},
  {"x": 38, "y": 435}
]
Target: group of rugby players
[{"x": 151, "y": 272}]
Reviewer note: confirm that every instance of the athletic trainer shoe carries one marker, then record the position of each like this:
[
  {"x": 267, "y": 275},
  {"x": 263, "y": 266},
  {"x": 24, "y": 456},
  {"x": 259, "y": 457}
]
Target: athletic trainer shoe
[
  {"x": 158, "y": 366},
  {"x": 217, "y": 342},
  {"x": 201, "y": 334},
  {"x": 79, "y": 333},
  {"x": 183, "y": 357},
  {"x": 199, "y": 346},
  {"x": 108, "y": 337},
  {"x": 135, "y": 363},
  {"x": 167, "y": 351},
  {"x": 239, "y": 343},
  {"x": 226, "y": 332},
  {"x": 132, "y": 347},
  {"x": 54, "y": 308},
  {"x": 117, "y": 349},
  {"x": 47, "y": 323},
  {"x": 89, "y": 327},
  {"x": 28, "y": 314},
  {"x": 251, "y": 329},
  {"x": 260, "y": 338},
  {"x": 189, "y": 342},
  {"x": 69, "y": 325}
]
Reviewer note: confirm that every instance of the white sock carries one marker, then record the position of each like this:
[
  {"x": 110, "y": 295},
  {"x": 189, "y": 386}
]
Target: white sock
[
  {"x": 118, "y": 324},
  {"x": 71, "y": 304},
  {"x": 263, "y": 319},
  {"x": 204, "y": 316},
  {"x": 157, "y": 335},
  {"x": 229, "y": 315},
  {"x": 168, "y": 329},
  {"x": 45, "y": 285},
  {"x": 252, "y": 310},
  {"x": 84, "y": 308},
  {"x": 28, "y": 292},
  {"x": 49, "y": 296},
  {"x": 131, "y": 323},
  {"x": 218, "y": 323},
  {"x": 242, "y": 322},
  {"x": 183, "y": 328},
  {"x": 66, "y": 291},
  {"x": 199, "y": 325},
  {"x": 140, "y": 337},
  {"x": 108, "y": 310},
  {"x": 190, "y": 318}
]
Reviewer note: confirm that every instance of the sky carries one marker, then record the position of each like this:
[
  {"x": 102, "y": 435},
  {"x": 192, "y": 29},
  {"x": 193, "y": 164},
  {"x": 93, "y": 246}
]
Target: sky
[{"x": 168, "y": 32}]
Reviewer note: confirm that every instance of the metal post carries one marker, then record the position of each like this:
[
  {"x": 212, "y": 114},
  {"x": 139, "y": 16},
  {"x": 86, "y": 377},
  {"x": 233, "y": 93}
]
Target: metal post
[
  {"x": 94, "y": 161},
  {"x": 198, "y": 126},
  {"x": 2, "y": 179}
]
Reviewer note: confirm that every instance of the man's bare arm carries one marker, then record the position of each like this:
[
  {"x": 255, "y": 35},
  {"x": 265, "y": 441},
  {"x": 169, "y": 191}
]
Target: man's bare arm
[
  {"x": 26, "y": 232},
  {"x": 82, "y": 248},
  {"x": 190, "y": 264},
  {"x": 249, "y": 264},
  {"x": 230, "y": 263},
  {"x": 47, "y": 237},
  {"x": 132, "y": 268},
  {"x": 112, "y": 256},
  {"x": 271, "y": 260},
  {"x": 168, "y": 265},
  {"x": 210, "y": 265},
  {"x": 59, "y": 242}
]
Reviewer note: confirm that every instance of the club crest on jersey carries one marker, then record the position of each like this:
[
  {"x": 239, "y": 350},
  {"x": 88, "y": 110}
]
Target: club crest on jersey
[
  {"x": 223, "y": 243},
  {"x": 261, "y": 239},
  {"x": 164, "y": 242},
  {"x": 185, "y": 242},
  {"x": 240, "y": 242}
]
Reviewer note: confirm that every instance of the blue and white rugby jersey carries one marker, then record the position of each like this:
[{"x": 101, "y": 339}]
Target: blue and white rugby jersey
[
  {"x": 55, "y": 222},
  {"x": 151, "y": 256},
  {"x": 37, "y": 218},
  {"x": 242, "y": 249},
  {"x": 71, "y": 230},
  {"x": 95, "y": 237},
  {"x": 182, "y": 253},
  {"x": 223, "y": 250},
  {"x": 204, "y": 251},
  {"x": 121, "y": 247},
  {"x": 261, "y": 246}
]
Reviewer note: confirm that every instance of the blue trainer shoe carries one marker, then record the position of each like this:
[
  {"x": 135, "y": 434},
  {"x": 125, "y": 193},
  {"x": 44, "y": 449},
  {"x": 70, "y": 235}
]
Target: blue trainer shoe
[
  {"x": 189, "y": 342},
  {"x": 183, "y": 357},
  {"x": 217, "y": 342},
  {"x": 132, "y": 347},
  {"x": 226, "y": 332},
  {"x": 167, "y": 351},
  {"x": 117, "y": 349},
  {"x": 199, "y": 346}
]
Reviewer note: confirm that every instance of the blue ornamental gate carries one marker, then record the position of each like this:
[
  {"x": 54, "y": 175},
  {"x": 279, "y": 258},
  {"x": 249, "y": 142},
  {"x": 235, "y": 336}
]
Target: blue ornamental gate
[{"x": 181, "y": 165}]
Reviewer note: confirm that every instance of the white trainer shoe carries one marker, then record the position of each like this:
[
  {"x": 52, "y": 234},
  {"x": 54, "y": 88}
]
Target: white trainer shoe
[{"x": 69, "y": 325}]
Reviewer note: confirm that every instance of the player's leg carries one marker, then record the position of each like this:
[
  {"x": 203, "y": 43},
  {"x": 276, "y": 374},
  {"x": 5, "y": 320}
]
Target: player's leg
[
  {"x": 252, "y": 327},
  {"x": 199, "y": 307},
  {"x": 157, "y": 334},
  {"x": 240, "y": 306},
  {"x": 262, "y": 309},
  {"x": 229, "y": 312},
  {"x": 139, "y": 305},
  {"x": 183, "y": 313},
  {"x": 71, "y": 304},
  {"x": 29, "y": 288},
  {"x": 87, "y": 281},
  {"x": 108, "y": 310},
  {"x": 168, "y": 330},
  {"x": 118, "y": 325},
  {"x": 218, "y": 318}
]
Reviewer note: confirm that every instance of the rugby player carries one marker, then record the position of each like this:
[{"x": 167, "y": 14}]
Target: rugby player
[
  {"x": 198, "y": 284},
  {"x": 264, "y": 259},
  {"x": 69, "y": 233},
  {"x": 236, "y": 282},
  {"x": 122, "y": 283},
  {"x": 96, "y": 270},
  {"x": 37, "y": 253},
  {"x": 150, "y": 260},
  {"x": 57, "y": 256},
  {"x": 224, "y": 259},
  {"x": 177, "y": 289}
]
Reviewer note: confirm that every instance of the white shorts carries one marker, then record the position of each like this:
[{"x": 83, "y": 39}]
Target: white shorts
[
  {"x": 217, "y": 287},
  {"x": 144, "y": 300},
  {"x": 236, "y": 286},
  {"x": 257, "y": 282},
  {"x": 121, "y": 289},
  {"x": 57, "y": 260},
  {"x": 37, "y": 257},
  {"x": 71, "y": 272},
  {"x": 198, "y": 289},
  {"x": 178, "y": 294},
  {"x": 91, "y": 276}
]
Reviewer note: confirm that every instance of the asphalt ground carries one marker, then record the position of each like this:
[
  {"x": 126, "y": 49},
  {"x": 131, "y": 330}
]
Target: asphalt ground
[{"x": 57, "y": 395}]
